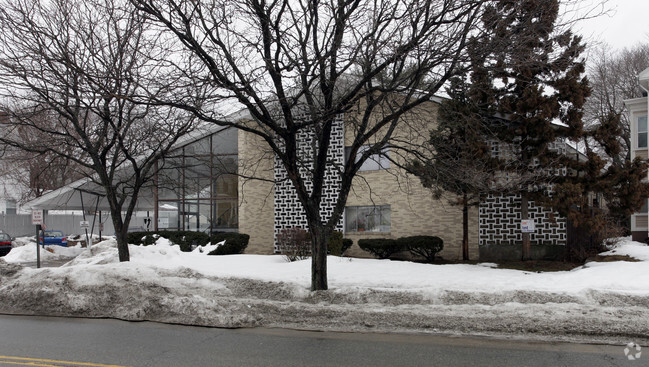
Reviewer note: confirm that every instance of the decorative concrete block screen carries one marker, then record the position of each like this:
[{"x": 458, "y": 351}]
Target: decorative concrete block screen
[
  {"x": 288, "y": 210},
  {"x": 500, "y": 222}
]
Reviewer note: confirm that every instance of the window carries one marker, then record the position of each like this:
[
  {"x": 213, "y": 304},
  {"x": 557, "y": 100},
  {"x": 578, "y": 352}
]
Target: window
[
  {"x": 642, "y": 132},
  {"x": 375, "y": 161},
  {"x": 367, "y": 218}
]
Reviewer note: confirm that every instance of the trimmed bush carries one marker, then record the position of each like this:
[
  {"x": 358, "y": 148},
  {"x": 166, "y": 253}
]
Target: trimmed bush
[
  {"x": 335, "y": 244},
  {"x": 338, "y": 245},
  {"x": 235, "y": 243},
  {"x": 380, "y": 247},
  {"x": 294, "y": 243},
  {"x": 184, "y": 239},
  {"x": 424, "y": 246},
  {"x": 142, "y": 238}
]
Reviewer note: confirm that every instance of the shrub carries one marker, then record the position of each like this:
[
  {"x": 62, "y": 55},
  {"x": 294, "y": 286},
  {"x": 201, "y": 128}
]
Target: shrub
[
  {"x": 184, "y": 239},
  {"x": 380, "y": 247},
  {"x": 595, "y": 235},
  {"x": 294, "y": 243},
  {"x": 424, "y": 246},
  {"x": 335, "y": 244},
  {"x": 235, "y": 243},
  {"x": 142, "y": 238}
]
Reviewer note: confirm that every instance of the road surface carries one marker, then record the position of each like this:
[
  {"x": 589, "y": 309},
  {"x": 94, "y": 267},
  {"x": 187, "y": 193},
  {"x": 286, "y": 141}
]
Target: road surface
[{"x": 49, "y": 341}]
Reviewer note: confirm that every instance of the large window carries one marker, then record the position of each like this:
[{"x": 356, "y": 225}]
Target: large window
[
  {"x": 197, "y": 185},
  {"x": 367, "y": 218},
  {"x": 642, "y": 132},
  {"x": 373, "y": 162}
]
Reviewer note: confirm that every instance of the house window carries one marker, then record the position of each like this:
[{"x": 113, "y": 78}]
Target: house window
[
  {"x": 642, "y": 132},
  {"x": 367, "y": 218},
  {"x": 375, "y": 161}
]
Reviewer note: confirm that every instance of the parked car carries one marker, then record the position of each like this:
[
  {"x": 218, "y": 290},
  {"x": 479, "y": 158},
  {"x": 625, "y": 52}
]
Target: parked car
[
  {"x": 53, "y": 237},
  {"x": 5, "y": 243}
]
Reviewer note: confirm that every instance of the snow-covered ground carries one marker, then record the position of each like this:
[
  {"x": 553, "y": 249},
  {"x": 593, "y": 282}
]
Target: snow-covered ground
[{"x": 599, "y": 301}]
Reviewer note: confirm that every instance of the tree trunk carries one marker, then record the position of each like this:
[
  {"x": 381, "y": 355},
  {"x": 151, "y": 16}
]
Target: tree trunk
[
  {"x": 319, "y": 238},
  {"x": 526, "y": 250},
  {"x": 121, "y": 231},
  {"x": 465, "y": 229}
]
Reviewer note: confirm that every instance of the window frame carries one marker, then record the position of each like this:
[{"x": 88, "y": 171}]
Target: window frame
[
  {"x": 642, "y": 133},
  {"x": 375, "y": 162},
  {"x": 379, "y": 215}
]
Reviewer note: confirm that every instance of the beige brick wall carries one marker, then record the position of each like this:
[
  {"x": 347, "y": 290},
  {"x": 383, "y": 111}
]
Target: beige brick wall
[
  {"x": 413, "y": 209},
  {"x": 256, "y": 196},
  {"x": 413, "y": 212}
]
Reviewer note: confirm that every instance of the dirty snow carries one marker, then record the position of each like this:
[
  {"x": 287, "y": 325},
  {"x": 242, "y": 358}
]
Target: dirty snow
[{"x": 599, "y": 301}]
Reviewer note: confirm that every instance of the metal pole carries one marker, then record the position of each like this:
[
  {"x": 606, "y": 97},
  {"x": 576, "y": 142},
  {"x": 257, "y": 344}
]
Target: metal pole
[
  {"x": 83, "y": 212},
  {"x": 38, "y": 248},
  {"x": 94, "y": 217},
  {"x": 100, "y": 226},
  {"x": 155, "y": 197}
]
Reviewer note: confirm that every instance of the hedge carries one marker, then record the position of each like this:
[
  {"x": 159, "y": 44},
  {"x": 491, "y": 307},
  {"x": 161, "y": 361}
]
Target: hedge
[
  {"x": 424, "y": 246},
  {"x": 235, "y": 243},
  {"x": 380, "y": 247},
  {"x": 184, "y": 239}
]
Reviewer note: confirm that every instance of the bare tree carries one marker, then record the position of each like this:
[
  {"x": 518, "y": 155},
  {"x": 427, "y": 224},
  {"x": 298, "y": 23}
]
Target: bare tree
[
  {"x": 35, "y": 173},
  {"x": 613, "y": 77},
  {"x": 298, "y": 65},
  {"x": 70, "y": 72}
]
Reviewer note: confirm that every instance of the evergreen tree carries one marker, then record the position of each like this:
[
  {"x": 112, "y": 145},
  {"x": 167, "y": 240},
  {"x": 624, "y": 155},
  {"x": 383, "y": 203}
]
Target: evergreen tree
[
  {"x": 459, "y": 162},
  {"x": 528, "y": 73}
]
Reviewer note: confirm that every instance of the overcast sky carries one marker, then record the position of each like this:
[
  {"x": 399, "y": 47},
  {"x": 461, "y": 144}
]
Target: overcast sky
[{"x": 625, "y": 25}]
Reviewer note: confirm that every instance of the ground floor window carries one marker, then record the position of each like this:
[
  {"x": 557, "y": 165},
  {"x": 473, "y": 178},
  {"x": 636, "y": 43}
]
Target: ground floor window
[
  {"x": 206, "y": 215},
  {"x": 367, "y": 218}
]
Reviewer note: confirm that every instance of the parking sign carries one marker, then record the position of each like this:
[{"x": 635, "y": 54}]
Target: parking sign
[{"x": 37, "y": 217}]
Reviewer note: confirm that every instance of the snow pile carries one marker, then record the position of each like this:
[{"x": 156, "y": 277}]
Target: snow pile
[
  {"x": 26, "y": 252},
  {"x": 22, "y": 241},
  {"x": 636, "y": 250},
  {"x": 161, "y": 283}
]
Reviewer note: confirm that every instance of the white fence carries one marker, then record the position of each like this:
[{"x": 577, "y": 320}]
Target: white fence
[{"x": 18, "y": 225}]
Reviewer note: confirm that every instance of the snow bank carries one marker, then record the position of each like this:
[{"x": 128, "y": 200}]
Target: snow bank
[
  {"x": 636, "y": 250},
  {"x": 26, "y": 252},
  {"x": 161, "y": 283}
]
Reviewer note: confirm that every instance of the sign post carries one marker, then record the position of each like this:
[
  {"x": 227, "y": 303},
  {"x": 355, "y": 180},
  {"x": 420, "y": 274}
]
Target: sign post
[
  {"x": 84, "y": 224},
  {"x": 37, "y": 220}
]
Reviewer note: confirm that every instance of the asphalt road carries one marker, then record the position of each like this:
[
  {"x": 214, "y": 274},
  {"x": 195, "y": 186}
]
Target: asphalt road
[{"x": 47, "y": 341}]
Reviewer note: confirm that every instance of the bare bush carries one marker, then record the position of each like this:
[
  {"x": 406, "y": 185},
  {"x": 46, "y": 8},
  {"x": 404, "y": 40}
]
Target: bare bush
[{"x": 294, "y": 243}]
